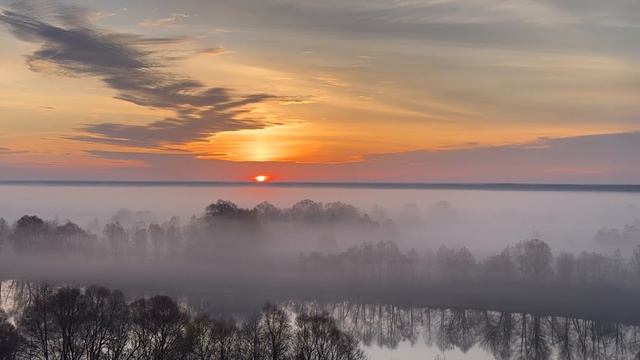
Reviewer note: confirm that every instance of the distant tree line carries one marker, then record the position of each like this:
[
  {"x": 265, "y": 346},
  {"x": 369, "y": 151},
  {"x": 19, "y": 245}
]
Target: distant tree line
[
  {"x": 527, "y": 261},
  {"x": 224, "y": 226},
  {"x": 228, "y": 232},
  {"x": 96, "y": 323}
]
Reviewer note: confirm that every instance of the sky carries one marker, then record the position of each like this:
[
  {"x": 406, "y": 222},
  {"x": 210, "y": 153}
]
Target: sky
[{"x": 334, "y": 90}]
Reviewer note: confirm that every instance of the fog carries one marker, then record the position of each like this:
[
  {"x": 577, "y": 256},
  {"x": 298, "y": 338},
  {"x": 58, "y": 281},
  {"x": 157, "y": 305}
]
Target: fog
[
  {"x": 416, "y": 247},
  {"x": 390, "y": 260},
  {"x": 483, "y": 221}
]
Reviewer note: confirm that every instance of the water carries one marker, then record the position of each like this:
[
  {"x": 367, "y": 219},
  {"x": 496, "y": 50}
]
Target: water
[{"x": 387, "y": 331}]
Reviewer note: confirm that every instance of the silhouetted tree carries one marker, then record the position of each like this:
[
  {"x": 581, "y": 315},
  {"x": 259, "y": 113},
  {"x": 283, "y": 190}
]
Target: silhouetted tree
[
  {"x": 251, "y": 345},
  {"x": 227, "y": 210},
  {"x": 70, "y": 238},
  {"x": 10, "y": 340},
  {"x": 307, "y": 210},
  {"x": 36, "y": 325},
  {"x": 106, "y": 326},
  {"x": 30, "y": 234},
  {"x": 277, "y": 332},
  {"x": 319, "y": 338},
  {"x": 158, "y": 329},
  {"x": 267, "y": 211}
]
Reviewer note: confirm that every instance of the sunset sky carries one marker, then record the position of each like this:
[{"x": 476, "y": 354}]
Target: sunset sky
[{"x": 341, "y": 90}]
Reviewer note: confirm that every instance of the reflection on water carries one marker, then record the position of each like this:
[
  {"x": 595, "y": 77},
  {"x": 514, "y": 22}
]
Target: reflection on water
[
  {"x": 473, "y": 334},
  {"x": 393, "y": 332}
]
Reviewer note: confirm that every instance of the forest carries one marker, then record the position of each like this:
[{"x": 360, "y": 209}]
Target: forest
[{"x": 93, "y": 323}]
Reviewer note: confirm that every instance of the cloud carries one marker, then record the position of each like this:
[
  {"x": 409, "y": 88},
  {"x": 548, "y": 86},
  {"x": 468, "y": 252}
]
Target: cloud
[
  {"x": 172, "y": 19},
  {"x": 182, "y": 129},
  {"x": 213, "y": 51},
  {"x": 604, "y": 158},
  {"x": 331, "y": 80},
  {"x": 70, "y": 45},
  {"x": 7, "y": 151}
]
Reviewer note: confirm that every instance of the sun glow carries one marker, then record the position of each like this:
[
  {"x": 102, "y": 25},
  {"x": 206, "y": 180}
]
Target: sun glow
[{"x": 261, "y": 178}]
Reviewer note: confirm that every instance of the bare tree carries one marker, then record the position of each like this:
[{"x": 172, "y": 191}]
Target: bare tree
[
  {"x": 10, "y": 340},
  {"x": 37, "y": 327},
  {"x": 276, "y": 331},
  {"x": 158, "y": 329}
]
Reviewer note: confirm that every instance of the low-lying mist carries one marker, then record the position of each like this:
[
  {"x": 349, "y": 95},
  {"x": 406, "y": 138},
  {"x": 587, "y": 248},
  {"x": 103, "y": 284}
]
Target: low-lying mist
[
  {"x": 328, "y": 251},
  {"x": 483, "y": 221}
]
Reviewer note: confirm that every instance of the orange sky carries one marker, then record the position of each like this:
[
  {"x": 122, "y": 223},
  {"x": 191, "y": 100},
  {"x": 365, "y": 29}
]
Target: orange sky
[{"x": 215, "y": 82}]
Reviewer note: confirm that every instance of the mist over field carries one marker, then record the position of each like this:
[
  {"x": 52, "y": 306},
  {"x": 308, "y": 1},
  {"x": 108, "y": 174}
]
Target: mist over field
[
  {"x": 483, "y": 221},
  {"x": 419, "y": 247}
]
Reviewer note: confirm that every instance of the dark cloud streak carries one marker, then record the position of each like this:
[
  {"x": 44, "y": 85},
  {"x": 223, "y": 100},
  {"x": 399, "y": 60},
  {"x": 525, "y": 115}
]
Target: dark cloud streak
[{"x": 71, "y": 46}]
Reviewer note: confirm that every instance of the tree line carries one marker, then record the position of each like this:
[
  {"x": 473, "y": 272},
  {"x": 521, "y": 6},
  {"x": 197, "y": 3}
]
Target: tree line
[
  {"x": 223, "y": 224},
  {"x": 527, "y": 261},
  {"x": 228, "y": 232},
  {"x": 71, "y": 323}
]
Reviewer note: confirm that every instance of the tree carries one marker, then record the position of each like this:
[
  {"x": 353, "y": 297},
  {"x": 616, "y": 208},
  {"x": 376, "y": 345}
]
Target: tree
[
  {"x": 10, "y": 339},
  {"x": 69, "y": 314},
  {"x": 116, "y": 237},
  {"x": 213, "y": 339},
  {"x": 276, "y": 331},
  {"x": 158, "y": 239},
  {"x": 70, "y": 237},
  {"x": 5, "y": 232},
  {"x": 307, "y": 210},
  {"x": 534, "y": 258},
  {"x": 499, "y": 266},
  {"x": 319, "y": 338},
  {"x": 158, "y": 329},
  {"x": 267, "y": 211},
  {"x": 140, "y": 241},
  {"x": 30, "y": 234},
  {"x": 107, "y": 325},
  {"x": 251, "y": 345},
  {"x": 227, "y": 210},
  {"x": 37, "y": 326}
]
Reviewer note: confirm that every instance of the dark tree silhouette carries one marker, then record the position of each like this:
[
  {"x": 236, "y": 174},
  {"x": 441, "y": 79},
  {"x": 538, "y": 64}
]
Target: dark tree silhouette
[
  {"x": 158, "y": 329},
  {"x": 319, "y": 338},
  {"x": 30, "y": 234},
  {"x": 276, "y": 331},
  {"x": 10, "y": 340}
]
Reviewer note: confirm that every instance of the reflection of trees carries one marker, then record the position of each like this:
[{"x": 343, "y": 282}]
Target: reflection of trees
[
  {"x": 502, "y": 334},
  {"x": 497, "y": 334}
]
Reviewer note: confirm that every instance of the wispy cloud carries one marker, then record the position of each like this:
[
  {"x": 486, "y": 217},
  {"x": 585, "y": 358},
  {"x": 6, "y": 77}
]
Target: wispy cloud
[
  {"x": 172, "y": 19},
  {"x": 331, "y": 80},
  {"x": 213, "y": 51},
  {"x": 7, "y": 151},
  {"x": 71, "y": 45}
]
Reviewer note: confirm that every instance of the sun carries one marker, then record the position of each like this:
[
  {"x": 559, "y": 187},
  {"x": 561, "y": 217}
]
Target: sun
[{"x": 261, "y": 178}]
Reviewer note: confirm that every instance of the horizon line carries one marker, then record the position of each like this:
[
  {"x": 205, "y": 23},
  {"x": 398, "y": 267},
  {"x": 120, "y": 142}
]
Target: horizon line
[{"x": 381, "y": 185}]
